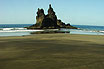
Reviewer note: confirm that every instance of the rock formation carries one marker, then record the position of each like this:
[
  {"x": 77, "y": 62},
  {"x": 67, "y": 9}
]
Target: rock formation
[
  {"x": 48, "y": 21},
  {"x": 40, "y": 17}
]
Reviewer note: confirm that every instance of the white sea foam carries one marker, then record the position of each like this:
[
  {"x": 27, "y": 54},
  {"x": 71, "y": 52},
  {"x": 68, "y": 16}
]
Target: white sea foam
[
  {"x": 84, "y": 31},
  {"x": 17, "y": 30},
  {"x": 13, "y": 28},
  {"x": 101, "y": 31}
]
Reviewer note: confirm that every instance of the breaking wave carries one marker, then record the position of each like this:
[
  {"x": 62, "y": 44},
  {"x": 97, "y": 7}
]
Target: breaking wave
[
  {"x": 17, "y": 30},
  {"x": 84, "y": 31}
]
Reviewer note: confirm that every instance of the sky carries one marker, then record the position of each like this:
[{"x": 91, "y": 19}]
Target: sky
[{"x": 75, "y": 12}]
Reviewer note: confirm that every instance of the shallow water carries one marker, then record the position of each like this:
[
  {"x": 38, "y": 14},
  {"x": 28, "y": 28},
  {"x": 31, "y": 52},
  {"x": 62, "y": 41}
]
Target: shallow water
[
  {"x": 14, "y": 33},
  {"x": 19, "y": 30},
  {"x": 86, "y": 32}
]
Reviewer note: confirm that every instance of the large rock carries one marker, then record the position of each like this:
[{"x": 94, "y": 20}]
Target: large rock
[
  {"x": 48, "y": 21},
  {"x": 60, "y": 24},
  {"x": 39, "y": 18}
]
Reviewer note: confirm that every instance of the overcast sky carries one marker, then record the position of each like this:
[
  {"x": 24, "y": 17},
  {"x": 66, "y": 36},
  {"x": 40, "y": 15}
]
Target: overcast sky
[{"x": 77, "y": 12}]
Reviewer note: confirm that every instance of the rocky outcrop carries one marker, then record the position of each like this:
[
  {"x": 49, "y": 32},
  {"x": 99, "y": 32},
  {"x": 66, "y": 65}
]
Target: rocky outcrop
[
  {"x": 40, "y": 17},
  {"x": 63, "y": 25},
  {"x": 48, "y": 21}
]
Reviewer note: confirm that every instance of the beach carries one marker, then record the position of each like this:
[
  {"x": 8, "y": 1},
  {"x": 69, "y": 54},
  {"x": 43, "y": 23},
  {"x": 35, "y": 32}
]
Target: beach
[{"x": 52, "y": 51}]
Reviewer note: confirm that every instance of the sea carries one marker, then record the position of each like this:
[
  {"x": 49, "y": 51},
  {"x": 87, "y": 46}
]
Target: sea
[{"x": 19, "y": 30}]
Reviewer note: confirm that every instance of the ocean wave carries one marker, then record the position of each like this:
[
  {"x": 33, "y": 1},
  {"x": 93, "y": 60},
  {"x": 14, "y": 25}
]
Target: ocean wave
[
  {"x": 12, "y": 28},
  {"x": 17, "y": 30},
  {"x": 101, "y": 31},
  {"x": 84, "y": 31}
]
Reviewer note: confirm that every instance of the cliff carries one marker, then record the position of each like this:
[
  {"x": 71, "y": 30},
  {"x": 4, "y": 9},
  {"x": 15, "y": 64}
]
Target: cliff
[{"x": 49, "y": 21}]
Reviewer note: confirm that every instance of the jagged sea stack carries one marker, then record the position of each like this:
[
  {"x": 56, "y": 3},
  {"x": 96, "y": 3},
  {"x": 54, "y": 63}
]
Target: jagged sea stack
[
  {"x": 49, "y": 21},
  {"x": 39, "y": 18}
]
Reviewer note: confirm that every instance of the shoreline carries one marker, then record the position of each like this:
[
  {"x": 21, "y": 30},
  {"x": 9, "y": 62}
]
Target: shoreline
[
  {"x": 56, "y": 51},
  {"x": 21, "y": 32},
  {"x": 55, "y": 36}
]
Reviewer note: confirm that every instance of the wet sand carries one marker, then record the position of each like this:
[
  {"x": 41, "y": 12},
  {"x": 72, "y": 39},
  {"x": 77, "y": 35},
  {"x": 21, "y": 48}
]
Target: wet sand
[{"x": 52, "y": 51}]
